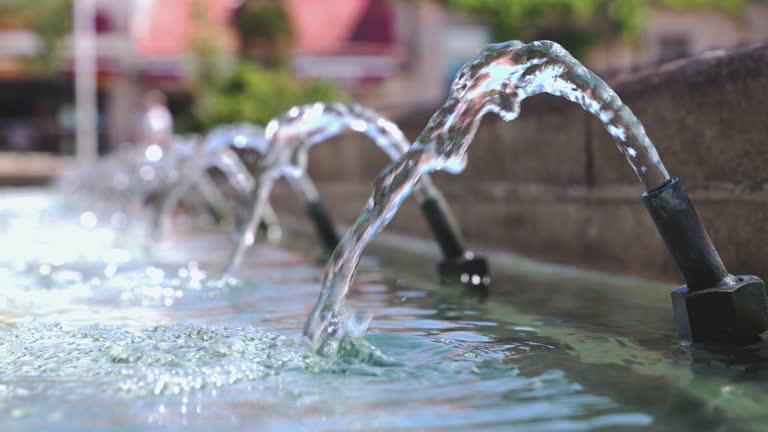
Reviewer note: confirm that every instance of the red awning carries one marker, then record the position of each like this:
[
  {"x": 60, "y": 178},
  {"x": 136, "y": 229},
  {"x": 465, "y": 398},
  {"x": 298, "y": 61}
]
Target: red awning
[
  {"x": 165, "y": 28},
  {"x": 324, "y": 26}
]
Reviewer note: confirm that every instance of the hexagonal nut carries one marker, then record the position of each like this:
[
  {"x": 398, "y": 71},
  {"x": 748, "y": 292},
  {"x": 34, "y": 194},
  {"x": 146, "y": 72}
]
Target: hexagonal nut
[
  {"x": 735, "y": 314},
  {"x": 469, "y": 270}
]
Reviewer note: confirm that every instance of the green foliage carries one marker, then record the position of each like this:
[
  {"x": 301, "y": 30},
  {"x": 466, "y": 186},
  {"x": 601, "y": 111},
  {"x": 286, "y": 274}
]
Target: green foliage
[
  {"x": 265, "y": 32},
  {"x": 269, "y": 23},
  {"x": 576, "y": 24},
  {"x": 733, "y": 7},
  {"x": 51, "y": 19},
  {"x": 251, "y": 91},
  {"x": 255, "y": 94}
]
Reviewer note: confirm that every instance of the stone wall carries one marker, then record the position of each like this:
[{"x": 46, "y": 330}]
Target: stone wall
[{"x": 551, "y": 184}]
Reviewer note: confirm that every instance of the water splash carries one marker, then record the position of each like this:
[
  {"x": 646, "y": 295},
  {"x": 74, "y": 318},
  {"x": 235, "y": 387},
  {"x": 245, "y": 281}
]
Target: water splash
[
  {"x": 217, "y": 151},
  {"x": 118, "y": 187},
  {"x": 160, "y": 360},
  {"x": 497, "y": 81},
  {"x": 246, "y": 364},
  {"x": 290, "y": 137}
]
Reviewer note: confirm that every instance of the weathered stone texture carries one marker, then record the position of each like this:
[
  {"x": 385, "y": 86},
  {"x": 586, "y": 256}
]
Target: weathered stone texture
[
  {"x": 708, "y": 118},
  {"x": 552, "y": 185}
]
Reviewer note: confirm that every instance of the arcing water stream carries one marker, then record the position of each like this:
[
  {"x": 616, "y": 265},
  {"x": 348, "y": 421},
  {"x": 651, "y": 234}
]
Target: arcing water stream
[
  {"x": 217, "y": 151},
  {"x": 290, "y": 137},
  {"x": 497, "y": 81},
  {"x": 93, "y": 337}
]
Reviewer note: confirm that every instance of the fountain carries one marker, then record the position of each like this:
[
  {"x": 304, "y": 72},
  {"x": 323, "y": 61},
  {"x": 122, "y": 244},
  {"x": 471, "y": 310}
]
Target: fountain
[
  {"x": 216, "y": 151},
  {"x": 179, "y": 351},
  {"x": 713, "y": 307},
  {"x": 98, "y": 335},
  {"x": 292, "y": 135},
  {"x": 127, "y": 179}
]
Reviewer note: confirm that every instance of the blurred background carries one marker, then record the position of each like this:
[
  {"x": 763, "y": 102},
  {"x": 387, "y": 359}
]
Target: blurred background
[{"x": 74, "y": 74}]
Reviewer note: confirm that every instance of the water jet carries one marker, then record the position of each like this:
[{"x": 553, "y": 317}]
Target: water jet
[
  {"x": 290, "y": 137},
  {"x": 716, "y": 308},
  {"x": 216, "y": 151}
]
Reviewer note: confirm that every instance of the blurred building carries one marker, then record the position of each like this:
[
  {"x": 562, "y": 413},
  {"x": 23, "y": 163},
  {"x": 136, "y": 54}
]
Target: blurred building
[
  {"x": 140, "y": 44},
  {"x": 155, "y": 39},
  {"x": 400, "y": 55},
  {"x": 30, "y": 106},
  {"x": 394, "y": 55},
  {"x": 672, "y": 34}
]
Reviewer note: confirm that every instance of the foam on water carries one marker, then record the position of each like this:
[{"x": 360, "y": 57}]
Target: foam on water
[
  {"x": 193, "y": 369},
  {"x": 159, "y": 360},
  {"x": 165, "y": 359},
  {"x": 496, "y": 81}
]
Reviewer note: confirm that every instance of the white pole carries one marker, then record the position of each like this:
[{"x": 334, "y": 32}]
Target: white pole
[{"x": 86, "y": 134}]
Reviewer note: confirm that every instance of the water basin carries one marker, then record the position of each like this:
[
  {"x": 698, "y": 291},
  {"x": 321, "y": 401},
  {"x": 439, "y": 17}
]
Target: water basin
[{"x": 94, "y": 336}]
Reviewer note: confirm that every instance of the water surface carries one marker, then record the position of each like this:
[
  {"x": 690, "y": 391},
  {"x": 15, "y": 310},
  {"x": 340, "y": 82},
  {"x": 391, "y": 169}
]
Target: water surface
[{"x": 94, "y": 336}]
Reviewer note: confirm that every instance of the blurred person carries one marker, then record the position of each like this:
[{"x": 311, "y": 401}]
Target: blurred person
[{"x": 156, "y": 122}]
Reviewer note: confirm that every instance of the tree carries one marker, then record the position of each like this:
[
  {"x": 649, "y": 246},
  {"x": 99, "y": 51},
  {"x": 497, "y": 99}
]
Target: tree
[
  {"x": 246, "y": 90},
  {"x": 576, "y": 24},
  {"x": 255, "y": 94},
  {"x": 265, "y": 31}
]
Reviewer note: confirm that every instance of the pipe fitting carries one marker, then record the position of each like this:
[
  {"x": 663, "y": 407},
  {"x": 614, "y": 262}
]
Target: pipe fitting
[
  {"x": 443, "y": 227},
  {"x": 728, "y": 314},
  {"x": 458, "y": 264},
  {"x": 469, "y": 270},
  {"x": 713, "y": 307},
  {"x": 684, "y": 235},
  {"x": 324, "y": 226}
]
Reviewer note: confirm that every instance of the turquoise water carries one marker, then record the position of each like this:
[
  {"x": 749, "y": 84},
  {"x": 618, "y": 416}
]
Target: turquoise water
[{"x": 95, "y": 335}]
